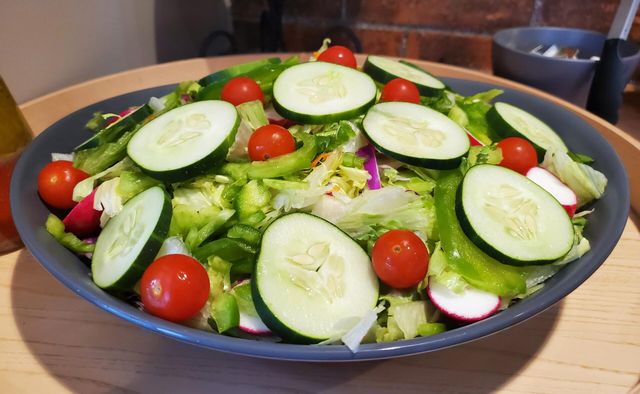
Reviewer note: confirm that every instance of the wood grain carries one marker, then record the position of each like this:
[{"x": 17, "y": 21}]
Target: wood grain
[{"x": 53, "y": 341}]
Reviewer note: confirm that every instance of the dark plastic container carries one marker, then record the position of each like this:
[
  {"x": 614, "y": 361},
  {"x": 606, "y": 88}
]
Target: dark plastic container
[{"x": 569, "y": 79}]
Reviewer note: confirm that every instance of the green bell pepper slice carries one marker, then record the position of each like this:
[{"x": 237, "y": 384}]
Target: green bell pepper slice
[
  {"x": 278, "y": 166},
  {"x": 464, "y": 257}
]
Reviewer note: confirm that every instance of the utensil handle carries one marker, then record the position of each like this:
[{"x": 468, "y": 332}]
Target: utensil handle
[
  {"x": 608, "y": 83},
  {"x": 623, "y": 20}
]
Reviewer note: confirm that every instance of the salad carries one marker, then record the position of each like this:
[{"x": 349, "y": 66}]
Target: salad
[{"x": 319, "y": 202}]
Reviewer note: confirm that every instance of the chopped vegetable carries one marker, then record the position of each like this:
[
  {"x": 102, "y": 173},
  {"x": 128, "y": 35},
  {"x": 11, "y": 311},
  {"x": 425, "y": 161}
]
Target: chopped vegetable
[
  {"x": 55, "y": 227},
  {"x": 371, "y": 165}
]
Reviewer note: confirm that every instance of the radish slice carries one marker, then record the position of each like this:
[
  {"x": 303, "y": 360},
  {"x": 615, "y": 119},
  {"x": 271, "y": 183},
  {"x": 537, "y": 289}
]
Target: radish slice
[
  {"x": 469, "y": 306},
  {"x": 371, "y": 165},
  {"x": 555, "y": 187},
  {"x": 253, "y": 325},
  {"x": 250, "y": 322},
  {"x": 83, "y": 220},
  {"x": 473, "y": 140}
]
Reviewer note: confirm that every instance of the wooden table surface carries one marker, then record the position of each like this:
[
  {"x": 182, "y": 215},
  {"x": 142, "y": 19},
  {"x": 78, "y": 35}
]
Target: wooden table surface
[{"x": 53, "y": 341}]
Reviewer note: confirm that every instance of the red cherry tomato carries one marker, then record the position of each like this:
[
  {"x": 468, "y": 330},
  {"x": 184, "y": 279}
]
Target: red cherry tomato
[
  {"x": 174, "y": 287},
  {"x": 56, "y": 182},
  {"x": 400, "y": 259},
  {"x": 241, "y": 90},
  {"x": 270, "y": 141},
  {"x": 339, "y": 55},
  {"x": 518, "y": 154},
  {"x": 400, "y": 90}
]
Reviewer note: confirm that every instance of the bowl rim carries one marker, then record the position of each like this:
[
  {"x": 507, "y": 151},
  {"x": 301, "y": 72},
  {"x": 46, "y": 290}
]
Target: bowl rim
[{"x": 499, "y": 37}]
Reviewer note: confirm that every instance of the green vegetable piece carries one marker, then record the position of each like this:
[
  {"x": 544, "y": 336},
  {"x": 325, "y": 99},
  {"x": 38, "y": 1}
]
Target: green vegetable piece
[
  {"x": 133, "y": 183},
  {"x": 244, "y": 298},
  {"x": 195, "y": 237},
  {"x": 243, "y": 267},
  {"x": 426, "y": 329},
  {"x": 252, "y": 198},
  {"x": 264, "y": 75},
  {"x": 352, "y": 160},
  {"x": 226, "y": 248},
  {"x": 224, "y": 313},
  {"x": 469, "y": 112},
  {"x": 333, "y": 135},
  {"x": 97, "y": 122},
  {"x": 95, "y": 160},
  {"x": 488, "y": 154},
  {"x": 477, "y": 268},
  {"x": 581, "y": 158},
  {"x": 278, "y": 166},
  {"x": 246, "y": 233},
  {"x": 174, "y": 99},
  {"x": 55, "y": 227}
]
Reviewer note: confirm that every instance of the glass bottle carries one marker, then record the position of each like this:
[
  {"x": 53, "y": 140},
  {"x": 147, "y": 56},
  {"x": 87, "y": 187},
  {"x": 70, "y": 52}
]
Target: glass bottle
[{"x": 15, "y": 134}]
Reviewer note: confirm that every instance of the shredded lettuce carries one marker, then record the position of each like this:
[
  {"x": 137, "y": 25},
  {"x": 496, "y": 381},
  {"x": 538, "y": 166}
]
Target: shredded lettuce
[
  {"x": 175, "y": 98},
  {"x": 409, "y": 316},
  {"x": 316, "y": 186},
  {"x": 200, "y": 208},
  {"x": 85, "y": 187},
  {"x": 252, "y": 116},
  {"x": 354, "y": 337},
  {"x": 439, "y": 272},
  {"x": 406, "y": 318},
  {"x": 173, "y": 245},
  {"x": 391, "y": 206},
  {"x": 586, "y": 182},
  {"x": 114, "y": 193},
  {"x": 351, "y": 181},
  {"x": 442, "y": 103},
  {"x": 334, "y": 135},
  {"x": 407, "y": 179}
]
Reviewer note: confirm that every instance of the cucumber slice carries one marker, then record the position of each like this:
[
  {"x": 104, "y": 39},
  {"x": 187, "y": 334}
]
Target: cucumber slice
[
  {"x": 319, "y": 92},
  {"x": 415, "y": 134},
  {"x": 131, "y": 240},
  {"x": 237, "y": 70},
  {"x": 509, "y": 120},
  {"x": 116, "y": 129},
  {"x": 186, "y": 141},
  {"x": 310, "y": 277},
  {"x": 511, "y": 218},
  {"x": 383, "y": 70}
]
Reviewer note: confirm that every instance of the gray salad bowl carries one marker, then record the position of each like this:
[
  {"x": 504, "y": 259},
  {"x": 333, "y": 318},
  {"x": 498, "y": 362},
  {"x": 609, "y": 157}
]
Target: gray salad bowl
[{"x": 603, "y": 230}]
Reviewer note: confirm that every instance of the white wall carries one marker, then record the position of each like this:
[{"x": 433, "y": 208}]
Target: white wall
[{"x": 47, "y": 45}]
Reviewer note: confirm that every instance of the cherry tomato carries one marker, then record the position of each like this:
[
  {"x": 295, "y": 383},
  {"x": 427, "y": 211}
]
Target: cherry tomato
[
  {"x": 270, "y": 141},
  {"x": 56, "y": 182},
  {"x": 174, "y": 287},
  {"x": 400, "y": 90},
  {"x": 339, "y": 55},
  {"x": 241, "y": 90},
  {"x": 400, "y": 259},
  {"x": 518, "y": 154}
]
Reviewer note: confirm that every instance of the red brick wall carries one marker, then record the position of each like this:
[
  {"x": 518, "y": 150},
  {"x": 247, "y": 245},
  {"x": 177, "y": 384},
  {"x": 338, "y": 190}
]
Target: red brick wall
[{"x": 449, "y": 31}]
